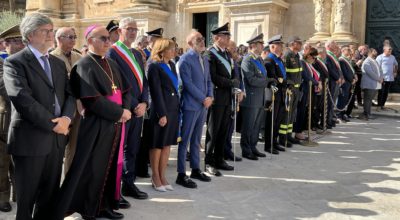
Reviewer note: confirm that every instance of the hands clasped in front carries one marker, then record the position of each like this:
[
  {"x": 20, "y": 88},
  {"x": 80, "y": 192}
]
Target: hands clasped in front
[{"x": 62, "y": 125}]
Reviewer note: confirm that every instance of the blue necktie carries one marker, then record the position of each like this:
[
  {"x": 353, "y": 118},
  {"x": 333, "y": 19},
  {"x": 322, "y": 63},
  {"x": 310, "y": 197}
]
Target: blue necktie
[{"x": 47, "y": 70}]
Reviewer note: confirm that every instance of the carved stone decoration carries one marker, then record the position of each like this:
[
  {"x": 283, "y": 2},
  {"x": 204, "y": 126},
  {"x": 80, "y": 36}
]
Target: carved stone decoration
[
  {"x": 343, "y": 16},
  {"x": 322, "y": 10},
  {"x": 343, "y": 21}
]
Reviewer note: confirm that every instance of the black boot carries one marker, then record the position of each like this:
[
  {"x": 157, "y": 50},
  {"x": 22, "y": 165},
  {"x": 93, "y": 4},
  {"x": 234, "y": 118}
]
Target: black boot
[{"x": 283, "y": 141}]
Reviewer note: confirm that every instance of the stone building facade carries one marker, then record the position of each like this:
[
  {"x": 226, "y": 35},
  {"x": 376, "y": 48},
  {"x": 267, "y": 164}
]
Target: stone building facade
[{"x": 313, "y": 20}]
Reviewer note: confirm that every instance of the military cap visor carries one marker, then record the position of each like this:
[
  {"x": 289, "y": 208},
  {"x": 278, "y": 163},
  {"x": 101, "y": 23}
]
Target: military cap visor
[
  {"x": 294, "y": 39},
  {"x": 156, "y": 33},
  {"x": 12, "y": 32},
  {"x": 224, "y": 29},
  {"x": 277, "y": 39},
  {"x": 257, "y": 39},
  {"x": 112, "y": 26}
]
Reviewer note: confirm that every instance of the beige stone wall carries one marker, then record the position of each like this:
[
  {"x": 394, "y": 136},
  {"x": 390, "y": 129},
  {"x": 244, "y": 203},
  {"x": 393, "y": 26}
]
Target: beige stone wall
[{"x": 299, "y": 19}]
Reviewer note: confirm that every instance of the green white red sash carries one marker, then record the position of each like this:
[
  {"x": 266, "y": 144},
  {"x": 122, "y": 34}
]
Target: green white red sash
[
  {"x": 126, "y": 54},
  {"x": 345, "y": 59},
  {"x": 334, "y": 58}
]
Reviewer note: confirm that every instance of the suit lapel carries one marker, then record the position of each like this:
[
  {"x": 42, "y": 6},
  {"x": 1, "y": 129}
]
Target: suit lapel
[
  {"x": 35, "y": 65},
  {"x": 53, "y": 71}
]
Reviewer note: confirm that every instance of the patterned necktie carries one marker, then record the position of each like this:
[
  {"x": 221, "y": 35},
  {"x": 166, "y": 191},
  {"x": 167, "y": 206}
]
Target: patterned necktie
[{"x": 47, "y": 70}]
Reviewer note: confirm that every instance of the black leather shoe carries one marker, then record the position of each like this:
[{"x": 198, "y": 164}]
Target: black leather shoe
[
  {"x": 274, "y": 151},
  {"x": 224, "y": 166},
  {"x": 110, "y": 214},
  {"x": 5, "y": 207},
  {"x": 293, "y": 140},
  {"x": 279, "y": 148},
  {"x": 185, "y": 181},
  {"x": 197, "y": 174},
  {"x": 143, "y": 175},
  {"x": 288, "y": 144},
  {"x": 258, "y": 153},
  {"x": 250, "y": 156},
  {"x": 232, "y": 157},
  {"x": 123, "y": 203},
  {"x": 213, "y": 171},
  {"x": 133, "y": 191}
]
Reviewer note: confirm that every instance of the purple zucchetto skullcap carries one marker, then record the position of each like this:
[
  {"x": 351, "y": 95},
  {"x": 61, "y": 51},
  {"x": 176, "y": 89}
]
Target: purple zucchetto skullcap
[{"x": 90, "y": 29}]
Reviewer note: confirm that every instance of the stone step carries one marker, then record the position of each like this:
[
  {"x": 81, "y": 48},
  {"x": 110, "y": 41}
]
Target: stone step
[{"x": 394, "y": 97}]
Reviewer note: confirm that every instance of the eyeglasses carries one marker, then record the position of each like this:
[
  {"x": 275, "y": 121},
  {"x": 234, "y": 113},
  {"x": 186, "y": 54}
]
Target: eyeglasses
[
  {"x": 103, "y": 38},
  {"x": 71, "y": 37},
  {"x": 200, "y": 39},
  {"x": 46, "y": 31},
  {"x": 131, "y": 29}
]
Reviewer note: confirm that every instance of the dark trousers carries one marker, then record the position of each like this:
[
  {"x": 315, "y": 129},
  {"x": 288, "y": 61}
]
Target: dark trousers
[
  {"x": 142, "y": 158},
  {"x": 218, "y": 120},
  {"x": 277, "y": 118},
  {"x": 383, "y": 93},
  {"x": 228, "y": 144},
  {"x": 369, "y": 94},
  {"x": 301, "y": 116},
  {"x": 331, "y": 105},
  {"x": 357, "y": 89},
  {"x": 37, "y": 180},
  {"x": 343, "y": 97},
  {"x": 352, "y": 102},
  {"x": 251, "y": 118},
  {"x": 131, "y": 149}
]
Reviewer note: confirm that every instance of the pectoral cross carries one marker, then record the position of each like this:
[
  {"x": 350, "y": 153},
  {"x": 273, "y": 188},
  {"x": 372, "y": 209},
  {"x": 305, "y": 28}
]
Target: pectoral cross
[{"x": 114, "y": 88}]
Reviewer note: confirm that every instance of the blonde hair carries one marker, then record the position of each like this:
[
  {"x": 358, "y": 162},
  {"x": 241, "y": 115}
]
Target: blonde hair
[{"x": 159, "y": 47}]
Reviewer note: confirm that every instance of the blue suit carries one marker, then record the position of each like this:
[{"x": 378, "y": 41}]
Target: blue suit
[
  {"x": 197, "y": 86},
  {"x": 134, "y": 126}
]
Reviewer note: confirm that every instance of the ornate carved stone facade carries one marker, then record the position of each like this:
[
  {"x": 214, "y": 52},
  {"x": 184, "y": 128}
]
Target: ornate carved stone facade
[{"x": 316, "y": 20}]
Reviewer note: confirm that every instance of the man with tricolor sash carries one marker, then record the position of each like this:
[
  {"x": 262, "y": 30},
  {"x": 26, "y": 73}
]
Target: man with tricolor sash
[
  {"x": 335, "y": 79},
  {"x": 255, "y": 81},
  {"x": 131, "y": 65},
  {"x": 349, "y": 79}
]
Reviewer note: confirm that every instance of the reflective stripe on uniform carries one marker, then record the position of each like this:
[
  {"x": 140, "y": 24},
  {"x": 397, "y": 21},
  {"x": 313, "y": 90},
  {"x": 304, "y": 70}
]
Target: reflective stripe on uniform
[
  {"x": 282, "y": 131},
  {"x": 296, "y": 85},
  {"x": 294, "y": 70}
]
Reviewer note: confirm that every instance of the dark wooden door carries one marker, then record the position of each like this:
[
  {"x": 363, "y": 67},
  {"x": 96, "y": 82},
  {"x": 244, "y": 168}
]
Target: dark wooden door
[{"x": 383, "y": 21}]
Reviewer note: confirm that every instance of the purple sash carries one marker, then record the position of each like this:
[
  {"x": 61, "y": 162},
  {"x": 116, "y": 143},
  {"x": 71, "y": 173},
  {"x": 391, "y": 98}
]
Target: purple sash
[{"x": 116, "y": 97}]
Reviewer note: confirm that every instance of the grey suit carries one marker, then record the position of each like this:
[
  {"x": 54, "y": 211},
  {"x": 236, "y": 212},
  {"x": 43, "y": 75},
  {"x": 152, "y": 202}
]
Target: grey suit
[
  {"x": 36, "y": 150},
  {"x": 252, "y": 110},
  {"x": 371, "y": 75}
]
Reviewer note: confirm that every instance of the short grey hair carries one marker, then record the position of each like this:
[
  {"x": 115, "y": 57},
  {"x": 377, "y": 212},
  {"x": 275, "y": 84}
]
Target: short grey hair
[
  {"x": 125, "y": 21},
  {"x": 31, "y": 23},
  {"x": 329, "y": 43},
  {"x": 139, "y": 40}
]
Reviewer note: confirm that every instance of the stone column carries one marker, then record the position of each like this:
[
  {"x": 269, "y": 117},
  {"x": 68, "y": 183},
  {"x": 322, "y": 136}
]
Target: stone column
[
  {"x": 51, "y": 8},
  {"x": 343, "y": 21},
  {"x": 322, "y": 22},
  {"x": 154, "y": 3}
]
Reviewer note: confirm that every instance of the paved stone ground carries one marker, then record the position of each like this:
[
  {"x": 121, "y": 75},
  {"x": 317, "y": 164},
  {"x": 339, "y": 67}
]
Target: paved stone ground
[{"x": 352, "y": 174}]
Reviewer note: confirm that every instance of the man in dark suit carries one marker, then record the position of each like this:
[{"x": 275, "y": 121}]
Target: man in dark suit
[
  {"x": 221, "y": 71},
  {"x": 42, "y": 108},
  {"x": 255, "y": 81},
  {"x": 197, "y": 97},
  {"x": 131, "y": 65}
]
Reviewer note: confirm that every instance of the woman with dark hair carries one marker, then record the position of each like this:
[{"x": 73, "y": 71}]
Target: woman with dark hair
[
  {"x": 164, "y": 114},
  {"x": 308, "y": 74}
]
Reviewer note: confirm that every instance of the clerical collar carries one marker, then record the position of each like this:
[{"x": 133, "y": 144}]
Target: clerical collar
[{"x": 96, "y": 55}]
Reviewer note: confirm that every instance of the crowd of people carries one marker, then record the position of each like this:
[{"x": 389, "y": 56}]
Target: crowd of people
[{"x": 106, "y": 113}]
